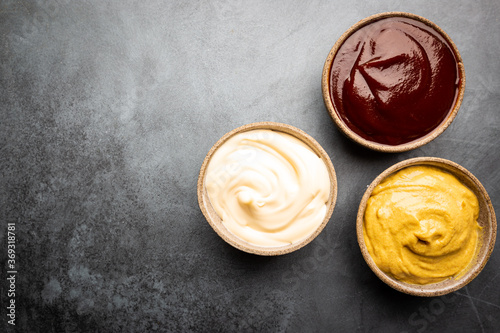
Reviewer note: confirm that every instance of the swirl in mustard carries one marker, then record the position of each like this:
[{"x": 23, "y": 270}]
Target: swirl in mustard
[{"x": 420, "y": 225}]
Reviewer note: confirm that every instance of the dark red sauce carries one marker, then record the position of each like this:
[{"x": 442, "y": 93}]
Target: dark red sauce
[{"x": 394, "y": 80}]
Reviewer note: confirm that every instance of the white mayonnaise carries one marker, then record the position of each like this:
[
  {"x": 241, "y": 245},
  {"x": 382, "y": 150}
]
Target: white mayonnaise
[{"x": 269, "y": 188}]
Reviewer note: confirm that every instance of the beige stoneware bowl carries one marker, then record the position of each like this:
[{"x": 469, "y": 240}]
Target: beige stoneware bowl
[
  {"x": 215, "y": 221},
  {"x": 486, "y": 220},
  {"x": 325, "y": 85}
]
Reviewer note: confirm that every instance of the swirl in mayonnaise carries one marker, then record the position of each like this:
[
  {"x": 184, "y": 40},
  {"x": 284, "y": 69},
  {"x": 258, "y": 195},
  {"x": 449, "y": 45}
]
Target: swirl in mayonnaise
[{"x": 268, "y": 188}]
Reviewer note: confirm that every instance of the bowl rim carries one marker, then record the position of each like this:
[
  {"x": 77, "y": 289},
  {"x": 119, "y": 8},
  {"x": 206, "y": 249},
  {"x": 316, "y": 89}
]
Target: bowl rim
[
  {"x": 484, "y": 249},
  {"x": 325, "y": 86},
  {"x": 216, "y": 223}
]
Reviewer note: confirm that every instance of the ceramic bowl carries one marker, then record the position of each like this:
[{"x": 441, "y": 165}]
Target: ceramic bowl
[
  {"x": 215, "y": 221},
  {"x": 325, "y": 84},
  {"x": 486, "y": 220}
]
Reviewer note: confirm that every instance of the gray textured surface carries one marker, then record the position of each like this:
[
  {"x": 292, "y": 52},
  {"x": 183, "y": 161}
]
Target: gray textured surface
[{"x": 107, "y": 111}]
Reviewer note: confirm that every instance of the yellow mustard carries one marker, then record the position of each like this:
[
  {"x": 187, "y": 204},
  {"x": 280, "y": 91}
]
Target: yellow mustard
[{"x": 420, "y": 225}]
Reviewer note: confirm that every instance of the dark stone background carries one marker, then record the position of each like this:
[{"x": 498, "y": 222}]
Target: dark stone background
[{"x": 107, "y": 111}]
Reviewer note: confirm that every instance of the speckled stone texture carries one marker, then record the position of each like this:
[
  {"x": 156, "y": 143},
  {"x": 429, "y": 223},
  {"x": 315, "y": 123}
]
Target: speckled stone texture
[{"x": 108, "y": 109}]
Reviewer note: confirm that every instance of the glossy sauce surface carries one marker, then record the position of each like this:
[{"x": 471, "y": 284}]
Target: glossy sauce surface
[
  {"x": 394, "y": 80},
  {"x": 268, "y": 187},
  {"x": 420, "y": 225}
]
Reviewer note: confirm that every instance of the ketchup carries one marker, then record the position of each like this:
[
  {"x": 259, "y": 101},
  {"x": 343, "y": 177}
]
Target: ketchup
[{"x": 394, "y": 80}]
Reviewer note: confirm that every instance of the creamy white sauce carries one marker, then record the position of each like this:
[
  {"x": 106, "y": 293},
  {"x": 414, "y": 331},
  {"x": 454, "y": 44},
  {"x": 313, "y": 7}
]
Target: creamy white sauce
[{"x": 268, "y": 187}]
